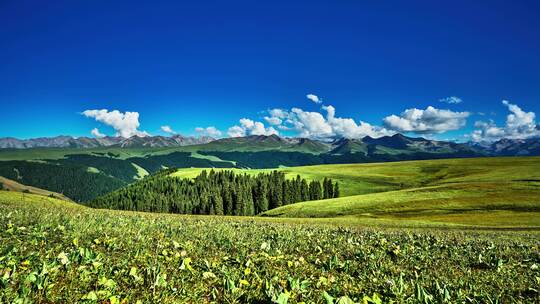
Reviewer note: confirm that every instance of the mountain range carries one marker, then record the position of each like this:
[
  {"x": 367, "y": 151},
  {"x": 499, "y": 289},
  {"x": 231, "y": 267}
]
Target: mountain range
[
  {"x": 64, "y": 141},
  {"x": 396, "y": 144}
]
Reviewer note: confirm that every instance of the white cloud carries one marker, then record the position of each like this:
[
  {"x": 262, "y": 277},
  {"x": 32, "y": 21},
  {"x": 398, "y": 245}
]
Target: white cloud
[
  {"x": 273, "y": 120},
  {"x": 236, "y": 131},
  {"x": 250, "y": 127},
  {"x": 168, "y": 129},
  {"x": 430, "y": 120},
  {"x": 314, "y": 98},
  {"x": 451, "y": 100},
  {"x": 209, "y": 131},
  {"x": 316, "y": 125},
  {"x": 310, "y": 124},
  {"x": 279, "y": 113},
  {"x": 347, "y": 127},
  {"x": 96, "y": 133},
  {"x": 519, "y": 125},
  {"x": 126, "y": 124}
]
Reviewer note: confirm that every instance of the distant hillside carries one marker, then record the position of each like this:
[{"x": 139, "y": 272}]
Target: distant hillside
[
  {"x": 511, "y": 147},
  {"x": 10, "y": 185},
  {"x": 257, "y": 143},
  {"x": 502, "y": 191},
  {"x": 124, "y": 161},
  {"x": 75, "y": 181}
]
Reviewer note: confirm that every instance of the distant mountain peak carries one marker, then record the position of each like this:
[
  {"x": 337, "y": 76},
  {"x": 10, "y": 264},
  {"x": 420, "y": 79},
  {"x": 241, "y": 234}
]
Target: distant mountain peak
[{"x": 64, "y": 141}]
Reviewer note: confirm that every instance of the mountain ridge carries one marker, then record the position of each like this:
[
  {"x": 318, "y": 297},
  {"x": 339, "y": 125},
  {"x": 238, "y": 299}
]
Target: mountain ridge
[
  {"x": 395, "y": 144},
  {"x": 65, "y": 141}
]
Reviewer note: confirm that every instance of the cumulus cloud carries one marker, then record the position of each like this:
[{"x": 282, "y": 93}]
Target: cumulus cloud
[
  {"x": 451, "y": 100},
  {"x": 320, "y": 126},
  {"x": 314, "y": 98},
  {"x": 126, "y": 124},
  {"x": 519, "y": 125},
  {"x": 168, "y": 130},
  {"x": 96, "y": 133},
  {"x": 273, "y": 120},
  {"x": 236, "y": 131},
  {"x": 250, "y": 127},
  {"x": 310, "y": 124},
  {"x": 209, "y": 131},
  {"x": 430, "y": 120}
]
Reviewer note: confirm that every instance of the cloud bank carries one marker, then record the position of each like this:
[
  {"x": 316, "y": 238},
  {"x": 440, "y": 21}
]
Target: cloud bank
[
  {"x": 125, "y": 124},
  {"x": 208, "y": 131},
  {"x": 519, "y": 125},
  {"x": 250, "y": 127},
  {"x": 430, "y": 120},
  {"x": 319, "y": 126}
]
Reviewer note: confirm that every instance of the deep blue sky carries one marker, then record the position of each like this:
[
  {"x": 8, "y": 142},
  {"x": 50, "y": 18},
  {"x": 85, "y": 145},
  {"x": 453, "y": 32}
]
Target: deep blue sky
[{"x": 202, "y": 63}]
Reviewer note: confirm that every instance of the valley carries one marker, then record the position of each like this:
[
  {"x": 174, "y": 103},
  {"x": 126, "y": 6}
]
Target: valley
[{"x": 251, "y": 229}]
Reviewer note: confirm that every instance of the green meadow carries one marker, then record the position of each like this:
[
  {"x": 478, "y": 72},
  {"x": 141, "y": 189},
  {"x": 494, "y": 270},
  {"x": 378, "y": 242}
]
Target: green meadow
[
  {"x": 55, "y": 251},
  {"x": 438, "y": 231},
  {"x": 489, "y": 192}
]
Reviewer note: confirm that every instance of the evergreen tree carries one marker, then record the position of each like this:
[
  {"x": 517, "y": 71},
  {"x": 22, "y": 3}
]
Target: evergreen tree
[
  {"x": 221, "y": 193},
  {"x": 336, "y": 190}
]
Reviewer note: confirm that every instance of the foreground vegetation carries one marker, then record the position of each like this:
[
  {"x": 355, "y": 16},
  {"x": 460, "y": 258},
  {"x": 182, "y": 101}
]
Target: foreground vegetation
[{"x": 57, "y": 251}]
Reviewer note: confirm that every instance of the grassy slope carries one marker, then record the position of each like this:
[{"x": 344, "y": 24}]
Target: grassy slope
[
  {"x": 12, "y": 185},
  {"x": 53, "y": 251},
  {"x": 58, "y": 153},
  {"x": 485, "y": 192},
  {"x": 481, "y": 191},
  {"x": 124, "y": 153}
]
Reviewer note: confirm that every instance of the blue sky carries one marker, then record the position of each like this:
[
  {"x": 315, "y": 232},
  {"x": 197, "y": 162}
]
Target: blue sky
[{"x": 211, "y": 63}]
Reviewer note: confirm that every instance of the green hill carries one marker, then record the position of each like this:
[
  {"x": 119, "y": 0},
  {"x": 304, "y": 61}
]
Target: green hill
[
  {"x": 479, "y": 191},
  {"x": 11, "y": 185},
  {"x": 482, "y": 191}
]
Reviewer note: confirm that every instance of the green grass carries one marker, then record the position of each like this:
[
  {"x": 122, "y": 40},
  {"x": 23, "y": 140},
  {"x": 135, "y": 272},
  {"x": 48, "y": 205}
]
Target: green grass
[
  {"x": 141, "y": 172},
  {"x": 58, "y": 153},
  {"x": 378, "y": 177},
  {"x": 11, "y": 185},
  {"x": 54, "y": 251},
  {"x": 489, "y": 192}
]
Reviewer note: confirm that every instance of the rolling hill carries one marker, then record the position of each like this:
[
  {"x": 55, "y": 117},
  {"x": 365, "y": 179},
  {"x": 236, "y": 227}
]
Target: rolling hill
[
  {"x": 10, "y": 185},
  {"x": 116, "y": 161},
  {"x": 479, "y": 191}
]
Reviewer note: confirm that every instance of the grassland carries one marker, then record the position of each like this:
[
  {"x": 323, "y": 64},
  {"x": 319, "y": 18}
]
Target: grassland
[
  {"x": 53, "y": 251},
  {"x": 11, "y": 185},
  {"x": 438, "y": 231},
  {"x": 487, "y": 192}
]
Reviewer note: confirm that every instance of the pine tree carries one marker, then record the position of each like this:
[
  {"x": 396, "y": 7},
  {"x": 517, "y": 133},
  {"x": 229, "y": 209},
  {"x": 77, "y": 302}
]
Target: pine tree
[{"x": 336, "y": 190}]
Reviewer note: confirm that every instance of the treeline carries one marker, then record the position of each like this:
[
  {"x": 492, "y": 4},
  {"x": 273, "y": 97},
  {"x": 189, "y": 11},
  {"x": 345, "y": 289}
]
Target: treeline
[{"x": 216, "y": 192}]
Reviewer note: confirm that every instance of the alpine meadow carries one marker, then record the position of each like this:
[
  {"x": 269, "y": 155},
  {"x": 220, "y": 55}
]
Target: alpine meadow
[{"x": 269, "y": 152}]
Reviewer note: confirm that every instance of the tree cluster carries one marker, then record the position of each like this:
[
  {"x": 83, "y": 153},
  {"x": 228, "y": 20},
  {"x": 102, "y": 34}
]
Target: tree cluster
[{"x": 216, "y": 192}]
